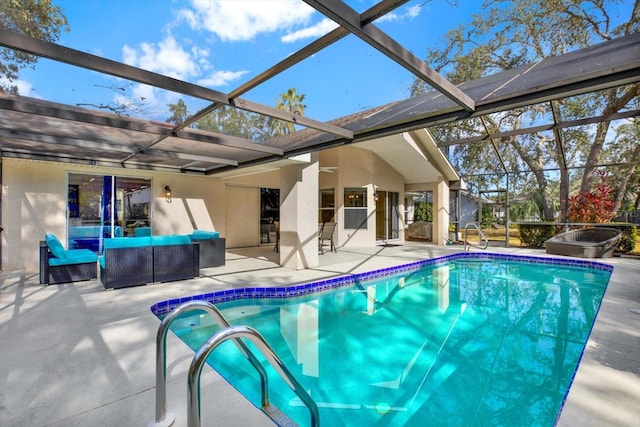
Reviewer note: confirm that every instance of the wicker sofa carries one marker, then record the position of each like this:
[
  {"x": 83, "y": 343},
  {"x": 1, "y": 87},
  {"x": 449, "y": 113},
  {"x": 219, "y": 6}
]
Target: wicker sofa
[
  {"x": 58, "y": 265},
  {"x": 133, "y": 261},
  {"x": 212, "y": 248},
  {"x": 597, "y": 242}
]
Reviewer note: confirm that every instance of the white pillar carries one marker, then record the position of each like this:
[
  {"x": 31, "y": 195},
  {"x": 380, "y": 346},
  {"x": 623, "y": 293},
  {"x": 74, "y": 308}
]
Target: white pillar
[
  {"x": 441, "y": 211},
  {"x": 299, "y": 215}
]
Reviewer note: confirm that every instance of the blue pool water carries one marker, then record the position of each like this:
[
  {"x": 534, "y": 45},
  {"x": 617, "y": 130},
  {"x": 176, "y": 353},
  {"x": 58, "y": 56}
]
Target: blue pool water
[{"x": 463, "y": 340}]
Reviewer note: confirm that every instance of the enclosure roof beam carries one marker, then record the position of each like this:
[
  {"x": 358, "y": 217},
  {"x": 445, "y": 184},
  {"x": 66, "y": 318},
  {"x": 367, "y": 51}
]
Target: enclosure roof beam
[
  {"x": 543, "y": 128},
  {"x": 558, "y": 135},
  {"x": 88, "y": 61}
]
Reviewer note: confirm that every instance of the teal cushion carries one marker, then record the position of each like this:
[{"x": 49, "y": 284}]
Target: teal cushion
[
  {"x": 102, "y": 262},
  {"x": 75, "y": 256},
  {"x": 142, "y": 231},
  {"x": 55, "y": 246},
  {"x": 170, "y": 240},
  {"x": 84, "y": 231},
  {"x": 127, "y": 242},
  {"x": 204, "y": 235}
]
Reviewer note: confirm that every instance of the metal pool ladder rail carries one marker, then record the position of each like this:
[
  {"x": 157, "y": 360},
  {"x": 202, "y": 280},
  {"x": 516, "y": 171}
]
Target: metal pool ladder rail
[
  {"x": 483, "y": 243},
  {"x": 165, "y": 419}
]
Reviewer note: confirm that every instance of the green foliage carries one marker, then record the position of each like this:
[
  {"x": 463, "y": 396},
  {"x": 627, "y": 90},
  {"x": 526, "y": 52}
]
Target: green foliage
[
  {"x": 534, "y": 235},
  {"x": 423, "y": 211},
  {"x": 242, "y": 124},
  {"x": 292, "y": 102},
  {"x": 35, "y": 18},
  {"x": 179, "y": 112},
  {"x": 627, "y": 242},
  {"x": 487, "y": 218}
]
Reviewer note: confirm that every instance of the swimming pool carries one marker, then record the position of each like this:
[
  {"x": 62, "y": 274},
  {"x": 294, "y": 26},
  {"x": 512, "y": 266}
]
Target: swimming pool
[{"x": 466, "y": 339}]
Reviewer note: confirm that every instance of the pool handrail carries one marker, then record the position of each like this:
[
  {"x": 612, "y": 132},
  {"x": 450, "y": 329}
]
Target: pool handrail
[
  {"x": 236, "y": 333},
  {"x": 164, "y": 418},
  {"x": 481, "y": 237}
]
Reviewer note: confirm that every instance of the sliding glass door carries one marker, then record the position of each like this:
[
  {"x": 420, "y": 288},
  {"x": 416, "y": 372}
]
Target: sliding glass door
[
  {"x": 387, "y": 216},
  {"x": 103, "y": 206},
  {"x": 269, "y": 214}
]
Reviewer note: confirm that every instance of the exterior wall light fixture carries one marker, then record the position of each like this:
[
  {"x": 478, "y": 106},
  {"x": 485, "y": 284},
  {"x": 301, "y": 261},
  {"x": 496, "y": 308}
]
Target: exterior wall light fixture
[{"x": 167, "y": 193}]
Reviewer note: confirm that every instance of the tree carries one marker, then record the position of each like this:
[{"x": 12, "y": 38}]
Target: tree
[
  {"x": 35, "y": 18},
  {"x": 235, "y": 122},
  {"x": 510, "y": 34},
  {"x": 292, "y": 102},
  {"x": 179, "y": 112},
  {"x": 626, "y": 147}
]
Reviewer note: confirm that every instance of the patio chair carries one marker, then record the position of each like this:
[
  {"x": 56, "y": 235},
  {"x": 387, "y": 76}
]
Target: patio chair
[
  {"x": 58, "y": 265},
  {"x": 325, "y": 233}
]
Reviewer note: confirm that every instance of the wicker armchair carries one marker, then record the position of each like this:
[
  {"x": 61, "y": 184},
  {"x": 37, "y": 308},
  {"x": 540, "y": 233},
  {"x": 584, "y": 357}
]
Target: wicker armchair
[{"x": 58, "y": 265}]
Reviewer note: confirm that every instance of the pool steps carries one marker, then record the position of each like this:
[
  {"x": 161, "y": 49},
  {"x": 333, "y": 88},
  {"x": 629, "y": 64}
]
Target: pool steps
[{"x": 235, "y": 333}]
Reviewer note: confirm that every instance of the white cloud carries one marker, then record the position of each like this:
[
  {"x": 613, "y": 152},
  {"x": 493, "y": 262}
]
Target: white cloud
[
  {"x": 221, "y": 78},
  {"x": 408, "y": 13},
  {"x": 315, "y": 31},
  {"x": 25, "y": 88},
  {"x": 167, "y": 58},
  {"x": 413, "y": 11},
  {"x": 243, "y": 20}
]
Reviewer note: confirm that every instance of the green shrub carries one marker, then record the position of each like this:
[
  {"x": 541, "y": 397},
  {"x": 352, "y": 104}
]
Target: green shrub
[
  {"x": 534, "y": 235},
  {"x": 627, "y": 241},
  {"x": 423, "y": 212}
]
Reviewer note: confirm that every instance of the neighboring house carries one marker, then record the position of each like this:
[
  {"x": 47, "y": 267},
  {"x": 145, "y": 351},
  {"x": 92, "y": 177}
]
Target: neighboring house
[{"x": 360, "y": 186}]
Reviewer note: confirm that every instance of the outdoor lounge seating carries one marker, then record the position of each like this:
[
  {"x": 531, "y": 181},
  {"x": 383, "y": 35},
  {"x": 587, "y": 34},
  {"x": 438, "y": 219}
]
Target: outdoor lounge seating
[
  {"x": 212, "y": 248},
  {"x": 133, "y": 261},
  {"x": 597, "y": 242},
  {"x": 325, "y": 233},
  {"x": 175, "y": 258},
  {"x": 127, "y": 261},
  {"x": 58, "y": 265}
]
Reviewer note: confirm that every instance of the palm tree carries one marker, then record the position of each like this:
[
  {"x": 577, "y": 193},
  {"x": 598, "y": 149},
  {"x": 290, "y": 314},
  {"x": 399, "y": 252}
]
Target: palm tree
[{"x": 292, "y": 102}]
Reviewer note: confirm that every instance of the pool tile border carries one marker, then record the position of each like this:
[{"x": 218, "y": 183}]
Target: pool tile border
[{"x": 163, "y": 307}]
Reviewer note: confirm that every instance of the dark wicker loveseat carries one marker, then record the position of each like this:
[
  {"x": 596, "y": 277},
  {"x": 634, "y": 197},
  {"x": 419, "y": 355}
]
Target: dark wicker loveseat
[
  {"x": 133, "y": 261},
  {"x": 127, "y": 261},
  {"x": 597, "y": 242}
]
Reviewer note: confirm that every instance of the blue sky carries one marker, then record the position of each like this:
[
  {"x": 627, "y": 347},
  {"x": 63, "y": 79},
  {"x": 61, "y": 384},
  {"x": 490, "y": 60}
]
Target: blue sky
[{"x": 223, "y": 43}]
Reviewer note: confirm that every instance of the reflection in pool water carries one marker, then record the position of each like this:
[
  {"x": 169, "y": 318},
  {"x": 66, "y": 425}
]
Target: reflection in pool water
[{"x": 459, "y": 341}]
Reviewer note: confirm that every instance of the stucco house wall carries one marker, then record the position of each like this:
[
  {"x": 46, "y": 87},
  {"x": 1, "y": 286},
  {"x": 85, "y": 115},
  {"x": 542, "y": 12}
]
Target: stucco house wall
[
  {"x": 359, "y": 168},
  {"x": 34, "y": 202}
]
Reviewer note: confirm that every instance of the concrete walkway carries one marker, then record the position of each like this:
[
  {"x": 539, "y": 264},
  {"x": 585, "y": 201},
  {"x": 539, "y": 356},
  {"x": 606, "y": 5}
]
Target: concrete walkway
[{"x": 75, "y": 354}]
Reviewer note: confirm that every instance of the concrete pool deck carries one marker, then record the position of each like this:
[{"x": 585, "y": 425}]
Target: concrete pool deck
[{"x": 76, "y": 354}]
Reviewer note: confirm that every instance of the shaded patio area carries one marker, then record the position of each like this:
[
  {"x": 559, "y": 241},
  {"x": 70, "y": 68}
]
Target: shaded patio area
[{"x": 75, "y": 354}]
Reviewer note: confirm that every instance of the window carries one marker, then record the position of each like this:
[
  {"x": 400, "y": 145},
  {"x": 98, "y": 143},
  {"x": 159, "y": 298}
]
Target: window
[
  {"x": 327, "y": 204},
  {"x": 355, "y": 208}
]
